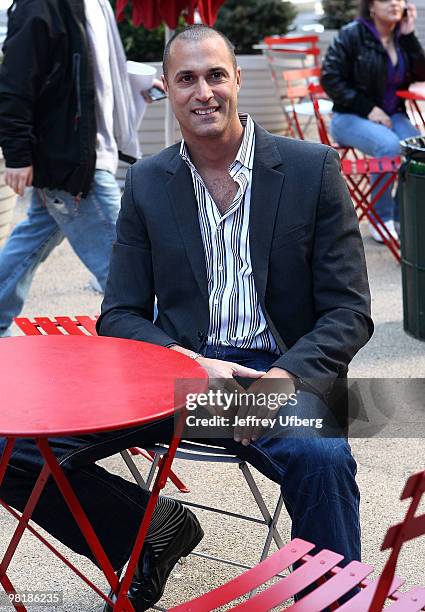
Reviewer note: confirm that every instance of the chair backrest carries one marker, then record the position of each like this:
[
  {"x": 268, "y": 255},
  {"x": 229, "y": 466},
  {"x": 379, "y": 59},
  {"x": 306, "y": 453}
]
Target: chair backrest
[
  {"x": 285, "y": 52},
  {"x": 411, "y": 527},
  {"x": 300, "y": 83},
  {"x": 302, "y": 46},
  {"x": 79, "y": 326}
]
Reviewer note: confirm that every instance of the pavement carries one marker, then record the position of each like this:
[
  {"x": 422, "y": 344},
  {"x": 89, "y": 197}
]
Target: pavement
[{"x": 61, "y": 287}]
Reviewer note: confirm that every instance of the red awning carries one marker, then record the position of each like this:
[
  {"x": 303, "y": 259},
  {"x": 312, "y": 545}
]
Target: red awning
[{"x": 151, "y": 13}]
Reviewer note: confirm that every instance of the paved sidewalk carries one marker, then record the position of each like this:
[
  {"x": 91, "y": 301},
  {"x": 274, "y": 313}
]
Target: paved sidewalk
[{"x": 61, "y": 287}]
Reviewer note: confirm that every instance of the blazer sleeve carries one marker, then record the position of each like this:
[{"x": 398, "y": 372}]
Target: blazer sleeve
[
  {"x": 22, "y": 76},
  {"x": 341, "y": 290},
  {"x": 128, "y": 305}
]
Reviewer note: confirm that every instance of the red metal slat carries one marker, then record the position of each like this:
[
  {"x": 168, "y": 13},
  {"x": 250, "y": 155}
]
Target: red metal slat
[
  {"x": 374, "y": 165},
  {"x": 48, "y": 326},
  {"x": 411, "y": 601},
  {"x": 347, "y": 166},
  {"x": 334, "y": 588},
  {"x": 298, "y": 580},
  {"x": 362, "y": 600},
  {"x": 89, "y": 324},
  {"x": 70, "y": 326},
  {"x": 28, "y": 327},
  {"x": 250, "y": 579}
]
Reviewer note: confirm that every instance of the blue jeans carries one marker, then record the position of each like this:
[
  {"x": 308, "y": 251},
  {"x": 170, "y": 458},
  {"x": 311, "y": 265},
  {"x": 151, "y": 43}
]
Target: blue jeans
[
  {"x": 375, "y": 140},
  {"x": 52, "y": 216},
  {"x": 316, "y": 475}
]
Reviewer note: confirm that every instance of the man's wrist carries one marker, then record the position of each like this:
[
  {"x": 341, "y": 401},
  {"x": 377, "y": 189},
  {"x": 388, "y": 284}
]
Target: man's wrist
[{"x": 184, "y": 351}]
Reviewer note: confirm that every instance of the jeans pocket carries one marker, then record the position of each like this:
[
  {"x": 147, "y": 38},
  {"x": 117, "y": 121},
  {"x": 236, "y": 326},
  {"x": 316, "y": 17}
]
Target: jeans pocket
[{"x": 63, "y": 207}]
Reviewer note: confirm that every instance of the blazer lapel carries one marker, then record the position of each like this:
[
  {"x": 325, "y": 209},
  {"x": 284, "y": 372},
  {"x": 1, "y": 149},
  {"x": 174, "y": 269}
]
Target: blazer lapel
[
  {"x": 265, "y": 195},
  {"x": 181, "y": 193}
]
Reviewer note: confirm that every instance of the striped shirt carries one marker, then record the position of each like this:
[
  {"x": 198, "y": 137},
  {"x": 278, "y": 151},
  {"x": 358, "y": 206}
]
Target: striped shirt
[{"x": 236, "y": 317}]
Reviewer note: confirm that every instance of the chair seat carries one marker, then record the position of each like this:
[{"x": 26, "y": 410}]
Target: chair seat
[{"x": 307, "y": 108}]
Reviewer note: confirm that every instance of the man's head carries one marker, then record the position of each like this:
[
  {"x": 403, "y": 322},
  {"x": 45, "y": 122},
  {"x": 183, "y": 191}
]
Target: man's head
[{"x": 202, "y": 80}]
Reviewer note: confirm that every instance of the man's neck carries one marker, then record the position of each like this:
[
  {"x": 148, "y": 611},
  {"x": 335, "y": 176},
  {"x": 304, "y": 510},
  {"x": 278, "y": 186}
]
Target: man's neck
[{"x": 218, "y": 153}]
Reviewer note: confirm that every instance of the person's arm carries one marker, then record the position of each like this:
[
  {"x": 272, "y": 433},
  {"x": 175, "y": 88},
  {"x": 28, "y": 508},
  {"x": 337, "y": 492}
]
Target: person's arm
[
  {"x": 341, "y": 292},
  {"x": 22, "y": 76},
  {"x": 336, "y": 75},
  {"x": 411, "y": 45},
  {"x": 128, "y": 305}
]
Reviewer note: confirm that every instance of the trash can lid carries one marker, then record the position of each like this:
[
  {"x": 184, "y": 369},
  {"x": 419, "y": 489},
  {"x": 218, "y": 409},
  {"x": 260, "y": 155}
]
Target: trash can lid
[{"x": 414, "y": 148}]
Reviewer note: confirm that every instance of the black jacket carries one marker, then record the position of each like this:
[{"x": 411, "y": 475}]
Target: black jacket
[
  {"x": 355, "y": 69},
  {"x": 47, "y": 94},
  {"x": 306, "y": 251}
]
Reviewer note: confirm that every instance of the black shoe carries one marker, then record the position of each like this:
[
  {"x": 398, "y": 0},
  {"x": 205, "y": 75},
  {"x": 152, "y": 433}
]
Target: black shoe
[{"x": 151, "y": 573}]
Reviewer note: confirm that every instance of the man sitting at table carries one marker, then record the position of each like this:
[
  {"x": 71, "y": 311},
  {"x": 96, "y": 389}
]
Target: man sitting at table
[{"x": 251, "y": 245}]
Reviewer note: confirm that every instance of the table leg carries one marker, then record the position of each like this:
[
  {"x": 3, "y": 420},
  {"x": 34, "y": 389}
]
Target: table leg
[
  {"x": 161, "y": 479},
  {"x": 77, "y": 511},
  {"x": 22, "y": 520}
]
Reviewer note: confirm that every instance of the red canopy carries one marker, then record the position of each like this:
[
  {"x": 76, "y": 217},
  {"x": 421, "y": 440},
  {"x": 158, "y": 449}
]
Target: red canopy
[{"x": 151, "y": 13}]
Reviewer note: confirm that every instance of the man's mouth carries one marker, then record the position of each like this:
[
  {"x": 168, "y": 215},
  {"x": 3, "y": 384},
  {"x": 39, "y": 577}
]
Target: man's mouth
[{"x": 206, "y": 111}]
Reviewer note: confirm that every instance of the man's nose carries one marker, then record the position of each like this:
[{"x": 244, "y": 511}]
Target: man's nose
[{"x": 203, "y": 90}]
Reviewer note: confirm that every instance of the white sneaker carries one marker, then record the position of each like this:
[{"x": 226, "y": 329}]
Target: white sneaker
[{"x": 377, "y": 236}]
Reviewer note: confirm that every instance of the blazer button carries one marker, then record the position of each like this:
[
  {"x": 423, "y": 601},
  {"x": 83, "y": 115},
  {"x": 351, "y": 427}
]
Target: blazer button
[{"x": 200, "y": 335}]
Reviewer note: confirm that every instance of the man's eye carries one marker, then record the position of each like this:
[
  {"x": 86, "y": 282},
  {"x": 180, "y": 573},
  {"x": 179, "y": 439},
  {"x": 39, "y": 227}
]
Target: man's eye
[
  {"x": 186, "y": 78},
  {"x": 217, "y": 75}
]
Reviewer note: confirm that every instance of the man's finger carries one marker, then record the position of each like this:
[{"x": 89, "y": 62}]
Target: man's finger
[
  {"x": 22, "y": 181},
  {"x": 244, "y": 372}
]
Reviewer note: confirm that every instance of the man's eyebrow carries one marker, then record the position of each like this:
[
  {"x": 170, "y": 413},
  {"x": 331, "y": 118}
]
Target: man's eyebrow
[{"x": 210, "y": 71}]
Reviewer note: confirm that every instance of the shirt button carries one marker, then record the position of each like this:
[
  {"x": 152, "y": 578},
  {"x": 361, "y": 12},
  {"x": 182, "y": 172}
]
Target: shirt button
[
  {"x": 216, "y": 302},
  {"x": 220, "y": 268},
  {"x": 219, "y": 228}
]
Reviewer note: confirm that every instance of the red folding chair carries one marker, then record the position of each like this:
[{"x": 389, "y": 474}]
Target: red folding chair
[
  {"x": 282, "y": 53},
  {"x": 367, "y": 178},
  {"x": 333, "y": 581},
  {"x": 84, "y": 325},
  {"x": 299, "y": 46},
  {"x": 299, "y": 84}
]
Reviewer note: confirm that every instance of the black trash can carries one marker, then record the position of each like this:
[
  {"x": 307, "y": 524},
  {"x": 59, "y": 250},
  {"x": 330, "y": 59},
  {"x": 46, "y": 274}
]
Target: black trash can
[{"x": 412, "y": 235}]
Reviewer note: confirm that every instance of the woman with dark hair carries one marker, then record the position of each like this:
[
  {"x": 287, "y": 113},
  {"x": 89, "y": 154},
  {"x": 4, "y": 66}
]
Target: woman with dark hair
[{"x": 369, "y": 60}]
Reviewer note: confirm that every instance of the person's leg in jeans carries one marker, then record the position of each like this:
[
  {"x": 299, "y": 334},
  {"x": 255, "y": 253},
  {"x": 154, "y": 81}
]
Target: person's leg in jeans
[
  {"x": 375, "y": 140},
  {"x": 89, "y": 224},
  {"x": 108, "y": 500},
  {"x": 29, "y": 244},
  {"x": 316, "y": 474}
]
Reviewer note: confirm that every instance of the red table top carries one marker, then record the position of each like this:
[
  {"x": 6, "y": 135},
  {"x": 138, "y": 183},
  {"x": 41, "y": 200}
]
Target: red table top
[{"x": 61, "y": 385}]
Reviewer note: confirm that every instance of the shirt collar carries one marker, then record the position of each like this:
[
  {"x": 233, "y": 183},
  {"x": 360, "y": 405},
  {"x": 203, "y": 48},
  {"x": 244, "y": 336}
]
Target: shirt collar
[{"x": 245, "y": 154}]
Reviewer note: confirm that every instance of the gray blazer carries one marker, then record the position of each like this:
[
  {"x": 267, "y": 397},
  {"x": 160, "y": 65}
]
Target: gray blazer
[{"x": 306, "y": 249}]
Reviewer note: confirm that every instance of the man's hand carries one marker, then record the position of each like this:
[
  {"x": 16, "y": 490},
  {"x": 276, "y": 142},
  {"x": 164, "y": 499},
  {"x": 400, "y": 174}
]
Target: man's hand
[
  {"x": 145, "y": 94},
  {"x": 377, "y": 115},
  {"x": 222, "y": 375},
  {"x": 276, "y": 381},
  {"x": 19, "y": 178}
]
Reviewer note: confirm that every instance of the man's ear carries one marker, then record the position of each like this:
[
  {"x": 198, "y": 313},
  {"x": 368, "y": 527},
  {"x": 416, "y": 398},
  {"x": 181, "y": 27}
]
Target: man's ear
[
  {"x": 164, "y": 84},
  {"x": 238, "y": 78}
]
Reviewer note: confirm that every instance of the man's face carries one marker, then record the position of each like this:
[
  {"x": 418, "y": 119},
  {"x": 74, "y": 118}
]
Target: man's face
[{"x": 202, "y": 86}]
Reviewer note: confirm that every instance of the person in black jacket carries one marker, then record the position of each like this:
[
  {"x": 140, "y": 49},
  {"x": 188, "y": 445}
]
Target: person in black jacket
[
  {"x": 369, "y": 60},
  {"x": 65, "y": 110}
]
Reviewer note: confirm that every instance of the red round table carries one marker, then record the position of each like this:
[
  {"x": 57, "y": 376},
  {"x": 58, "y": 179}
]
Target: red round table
[{"x": 68, "y": 385}]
